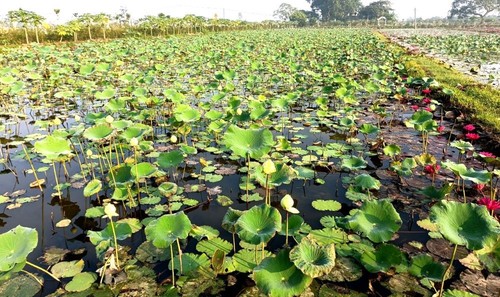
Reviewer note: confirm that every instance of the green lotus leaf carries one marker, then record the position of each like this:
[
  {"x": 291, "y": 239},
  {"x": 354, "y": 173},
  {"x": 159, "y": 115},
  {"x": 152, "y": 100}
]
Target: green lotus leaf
[
  {"x": 423, "y": 266},
  {"x": 385, "y": 257},
  {"x": 462, "y": 145},
  {"x": 477, "y": 177},
  {"x": 346, "y": 270},
  {"x": 143, "y": 170},
  {"x": 210, "y": 246},
  {"x": 189, "y": 150},
  {"x": 81, "y": 282},
  {"x": 329, "y": 235},
  {"x": 367, "y": 182},
  {"x": 230, "y": 218},
  {"x": 94, "y": 212},
  {"x": 312, "y": 258},
  {"x": 170, "y": 159},
  {"x": 92, "y": 188},
  {"x": 121, "y": 174},
  {"x": 295, "y": 223},
  {"x": 368, "y": 129},
  {"x": 190, "y": 262},
  {"x": 326, "y": 205},
  {"x": 353, "y": 163},
  {"x": 98, "y": 133},
  {"x": 258, "y": 224},
  {"x": 148, "y": 253},
  {"x": 464, "y": 223},
  {"x": 213, "y": 115},
  {"x": 378, "y": 220},
  {"x": 304, "y": 173},
  {"x": 87, "y": 69},
  {"x": 168, "y": 228},
  {"x": 392, "y": 150},
  {"x": 105, "y": 94},
  {"x": 185, "y": 113},
  {"x": 168, "y": 189},
  {"x": 21, "y": 285},
  {"x": 489, "y": 255},
  {"x": 124, "y": 228},
  {"x": 53, "y": 147},
  {"x": 435, "y": 193},
  {"x": 67, "y": 268},
  {"x": 200, "y": 232},
  {"x": 284, "y": 175},
  {"x": 420, "y": 117},
  {"x": 15, "y": 245},
  {"x": 253, "y": 142},
  {"x": 278, "y": 277},
  {"x": 246, "y": 260},
  {"x": 458, "y": 169},
  {"x": 132, "y": 132}
]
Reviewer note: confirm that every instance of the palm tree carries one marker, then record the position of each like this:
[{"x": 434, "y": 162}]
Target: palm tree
[
  {"x": 36, "y": 20},
  {"x": 23, "y": 17},
  {"x": 103, "y": 20},
  {"x": 87, "y": 19}
]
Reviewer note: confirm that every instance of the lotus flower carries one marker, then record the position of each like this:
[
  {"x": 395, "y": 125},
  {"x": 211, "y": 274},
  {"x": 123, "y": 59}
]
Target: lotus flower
[
  {"x": 478, "y": 187},
  {"x": 432, "y": 169},
  {"x": 490, "y": 204},
  {"x": 414, "y": 107},
  {"x": 426, "y": 91},
  {"x": 287, "y": 204},
  {"x": 469, "y": 128},
  {"x": 472, "y": 136},
  {"x": 426, "y": 101},
  {"x": 440, "y": 129},
  {"x": 487, "y": 155},
  {"x": 269, "y": 167}
]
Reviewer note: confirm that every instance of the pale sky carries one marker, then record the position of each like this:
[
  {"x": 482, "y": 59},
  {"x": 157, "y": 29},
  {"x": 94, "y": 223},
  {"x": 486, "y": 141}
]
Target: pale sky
[{"x": 254, "y": 10}]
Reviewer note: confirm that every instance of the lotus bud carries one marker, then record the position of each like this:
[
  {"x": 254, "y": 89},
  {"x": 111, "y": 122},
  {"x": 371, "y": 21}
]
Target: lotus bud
[
  {"x": 173, "y": 139},
  {"x": 77, "y": 118},
  {"x": 239, "y": 111},
  {"x": 109, "y": 119},
  {"x": 57, "y": 122},
  {"x": 287, "y": 204},
  {"x": 89, "y": 153},
  {"x": 269, "y": 167},
  {"x": 134, "y": 142},
  {"x": 203, "y": 162},
  {"x": 432, "y": 107},
  {"x": 110, "y": 210}
]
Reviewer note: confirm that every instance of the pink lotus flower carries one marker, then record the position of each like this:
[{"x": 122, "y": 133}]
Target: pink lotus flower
[
  {"x": 428, "y": 109},
  {"x": 472, "y": 136},
  {"x": 487, "y": 155},
  {"x": 426, "y": 101},
  {"x": 478, "y": 187},
  {"x": 490, "y": 204},
  {"x": 426, "y": 91},
  {"x": 414, "y": 107},
  {"x": 432, "y": 169},
  {"x": 440, "y": 129},
  {"x": 469, "y": 128}
]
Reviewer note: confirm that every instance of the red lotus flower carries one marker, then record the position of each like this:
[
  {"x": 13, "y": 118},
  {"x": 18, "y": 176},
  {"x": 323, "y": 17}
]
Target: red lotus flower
[
  {"x": 426, "y": 101},
  {"x": 440, "y": 129},
  {"x": 487, "y": 155},
  {"x": 428, "y": 109},
  {"x": 490, "y": 204},
  {"x": 469, "y": 128},
  {"x": 478, "y": 187},
  {"x": 414, "y": 107},
  {"x": 426, "y": 91},
  {"x": 472, "y": 136},
  {"x": 432, "y": 169}
]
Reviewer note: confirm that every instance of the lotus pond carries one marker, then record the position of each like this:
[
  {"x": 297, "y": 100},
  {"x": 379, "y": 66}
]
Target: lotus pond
[{"x": 282, "y": 163}]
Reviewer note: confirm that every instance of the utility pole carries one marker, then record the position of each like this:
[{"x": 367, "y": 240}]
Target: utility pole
[{"x": 415, "y": 18}]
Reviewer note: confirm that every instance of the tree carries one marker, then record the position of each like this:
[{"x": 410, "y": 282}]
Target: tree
[
  {"x": 102, "y": 20},
  {"x": 25, "y": 18},
  {"x": 284, "y": 12},
  {"x": 299, "y": 17},
  {"x": 468, "y": 8},
  {"x": 340, "y": 10},
  {"x": 376, "y": 10},
  {"x": 87, "y": 19},
  {"x": 36, "y": 20}
]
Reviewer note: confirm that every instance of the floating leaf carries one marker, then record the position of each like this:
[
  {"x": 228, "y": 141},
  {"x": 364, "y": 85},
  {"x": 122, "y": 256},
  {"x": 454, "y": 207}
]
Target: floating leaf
[
  {"x": 382, "y": 259},
  {"x": 98, "y": 133},
  {"x": 143, "y": 170},
  {"x": 81, "y": 282},
  {"x": 354, "y": 163},
  {"x": 253, "y": 142},
  {"x": 190, "y": 262},
  {"x": 63, "y": 223},
  {"x": 166, "y": 229},
  {"x": 170, "y": 159},
  {"x": 92, "y": 188},
  {"x": 326, "y": 205},
  {"x": 53, "y": 147},
  {"x": 367, "y": 182},
  {"x": 15, "y": 245},
  {"x": 20, "y": 286},
  {"x": 210, "y": 246},
  {"x": 67, "y": 268}
]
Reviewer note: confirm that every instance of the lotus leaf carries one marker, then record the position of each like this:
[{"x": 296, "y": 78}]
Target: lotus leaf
[
  {"x": 258, "y": 224},
  {"x": 167, "y": 189},
  {"x": 190, "y": 262},
  {"x": 367, "y": 182},
  {"x": 210, "y": 246},
  {"x": 295, "y": 223},
  {"x": 230, "y": 218},
  {"x": 67, "y": 268},
  {"x": 458, "y": 293},
  {"x": 19, "y": 286},
  {"x": 53, "y": 147},
  {"x": 326, "y": 205},
  {"x": 170, "y": 159},
  {"x": 464, "y": 223},
  {"x": 284, "y": 174},
  {"x": 92, "y": 188},
  {"x": 15, "y": 245},
  {"x": 385, "y": 257},
  {"x": 477, "y": 177},
  {"x": 392, "y": 150},
  {"x": 253, "y": 142},
  {"x": 98, "y": 133},
  {"x": 353, "y": 163},
  {"x": 81, "y": 282},
  {"x": 423, "y": 266},
  {"x": 143, "y": 170},
  {"x": 312, "y": 258},
  {"x": 168, "y": 228},
  {"x": 277, "y": 276},
  {"x": 378, "y": 220}
]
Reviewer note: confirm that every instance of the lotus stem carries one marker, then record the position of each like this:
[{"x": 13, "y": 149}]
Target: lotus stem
[
  {"x": 43, "y": 270},
  {"x": 57, "y": 180},
  {"x": 34, "y": 277},
  {"x": 79, "y": 160},
  {"x": 463, "y": 191},
  {"x": 248, "y": 176},
  {"x": 447, "y": 271},
  {"x": 286, "y": 230},
  {"x": 268, "y": 192},
  {"x": 180, "y": 254},
  {"x": 115, "y": 241},
  {"x": 234, "y": 242},
  {"x": 173, "y": 264},
  {"x": 33, "y": 167}
]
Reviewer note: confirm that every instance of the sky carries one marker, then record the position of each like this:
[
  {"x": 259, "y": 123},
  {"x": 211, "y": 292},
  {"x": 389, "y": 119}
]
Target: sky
[{"x": 254, "y": 10}]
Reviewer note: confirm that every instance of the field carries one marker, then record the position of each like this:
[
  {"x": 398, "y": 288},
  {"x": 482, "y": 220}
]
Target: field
[{"x": 274, "y": 162}]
